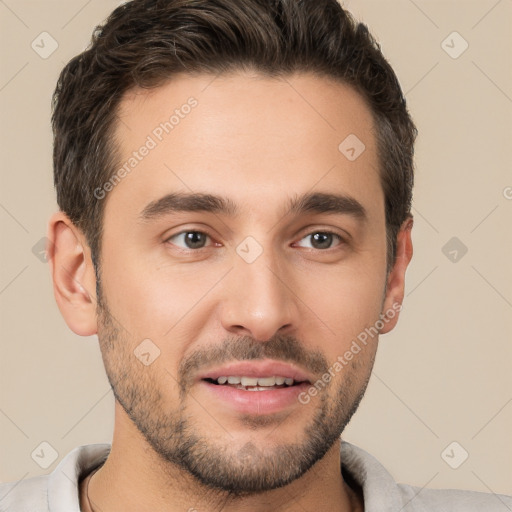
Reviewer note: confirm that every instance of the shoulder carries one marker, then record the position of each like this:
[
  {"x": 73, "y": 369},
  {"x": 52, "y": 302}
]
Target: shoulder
[
  {"x": 416, "y": 499},
  {"x": 383, "y": 494},
  {"x": 57, "y": 491},
  {"x": 28, "y": 495}
]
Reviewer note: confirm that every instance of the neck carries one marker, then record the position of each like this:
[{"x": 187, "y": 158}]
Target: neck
[{"x": 135, "y": 478}]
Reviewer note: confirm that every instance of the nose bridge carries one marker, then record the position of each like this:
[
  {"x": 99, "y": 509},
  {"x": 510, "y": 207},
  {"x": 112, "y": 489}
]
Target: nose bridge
[{"x": 258, "y": 301}]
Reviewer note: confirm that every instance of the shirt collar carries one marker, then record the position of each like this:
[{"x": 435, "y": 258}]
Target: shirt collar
[{"x": 380, "y": 491}]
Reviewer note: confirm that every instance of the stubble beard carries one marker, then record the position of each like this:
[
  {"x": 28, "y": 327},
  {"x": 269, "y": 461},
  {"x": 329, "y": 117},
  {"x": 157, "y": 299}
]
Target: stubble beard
[{"x": 180, "y": 443}]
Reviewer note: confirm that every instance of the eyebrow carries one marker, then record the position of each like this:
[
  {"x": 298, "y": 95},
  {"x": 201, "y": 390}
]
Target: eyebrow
[{"x": 315, "y": 202}]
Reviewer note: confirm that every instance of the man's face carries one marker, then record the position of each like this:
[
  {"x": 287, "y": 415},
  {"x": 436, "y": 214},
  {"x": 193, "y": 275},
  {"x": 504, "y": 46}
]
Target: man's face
[{"x": 259, "y": 290}]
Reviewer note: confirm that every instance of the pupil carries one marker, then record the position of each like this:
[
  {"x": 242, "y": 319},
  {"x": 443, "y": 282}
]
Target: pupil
[
  {"x": 322, "y": 240},
  {"x": 194, "y": 239}
]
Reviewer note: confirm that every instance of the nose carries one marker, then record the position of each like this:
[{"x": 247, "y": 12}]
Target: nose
[{"x": 258, "y": 299}]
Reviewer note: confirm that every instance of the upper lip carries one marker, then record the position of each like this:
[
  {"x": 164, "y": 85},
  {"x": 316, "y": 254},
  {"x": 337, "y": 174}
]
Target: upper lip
[{"x": 266, "y": 368}]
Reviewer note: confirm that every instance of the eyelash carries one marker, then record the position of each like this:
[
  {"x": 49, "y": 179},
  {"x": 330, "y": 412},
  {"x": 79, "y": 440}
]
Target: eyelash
[{"x": 341, "y": 240}]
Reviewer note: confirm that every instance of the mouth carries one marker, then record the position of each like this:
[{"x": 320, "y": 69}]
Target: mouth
[{"x": 255, "y": 387}]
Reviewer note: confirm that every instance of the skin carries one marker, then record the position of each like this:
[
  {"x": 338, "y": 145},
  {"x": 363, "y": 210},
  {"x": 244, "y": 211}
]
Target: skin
[{"x": 259, "y": 142}]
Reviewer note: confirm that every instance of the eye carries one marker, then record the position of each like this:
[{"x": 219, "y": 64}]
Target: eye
[
  {"x": 323, "y": 239},
  {"x": 189, "y": 239}
]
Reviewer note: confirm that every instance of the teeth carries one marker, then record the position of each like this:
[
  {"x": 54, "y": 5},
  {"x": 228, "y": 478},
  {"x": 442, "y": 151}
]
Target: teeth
[
  {"x": 249, "y": 381},
  {"x": 263, "y": 382},
  {"x": 266, "y": 381}
]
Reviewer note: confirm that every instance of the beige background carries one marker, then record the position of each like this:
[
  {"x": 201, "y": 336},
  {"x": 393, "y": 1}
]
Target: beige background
[{"x": 443, "y": 375}]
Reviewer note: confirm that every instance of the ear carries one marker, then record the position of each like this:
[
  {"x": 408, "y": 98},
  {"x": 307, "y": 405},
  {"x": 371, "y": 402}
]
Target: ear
[
  {"x": 396, "y": 278},
  {"x": 74, "y": 280}
]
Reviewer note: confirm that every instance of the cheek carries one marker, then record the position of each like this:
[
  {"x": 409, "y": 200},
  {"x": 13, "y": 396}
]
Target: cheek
[
  {"x": 153, "y": 299},
  {"x": 345, "y": 300}
]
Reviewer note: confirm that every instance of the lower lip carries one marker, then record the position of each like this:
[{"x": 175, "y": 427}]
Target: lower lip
[{"x": 256, "y": 402}]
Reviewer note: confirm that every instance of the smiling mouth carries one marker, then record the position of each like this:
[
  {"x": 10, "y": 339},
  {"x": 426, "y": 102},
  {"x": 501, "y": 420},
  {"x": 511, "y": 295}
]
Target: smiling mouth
[{"x": 255, "y": 383}]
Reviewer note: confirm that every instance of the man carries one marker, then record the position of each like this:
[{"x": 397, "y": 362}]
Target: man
[{"x": 234, "y": 180}]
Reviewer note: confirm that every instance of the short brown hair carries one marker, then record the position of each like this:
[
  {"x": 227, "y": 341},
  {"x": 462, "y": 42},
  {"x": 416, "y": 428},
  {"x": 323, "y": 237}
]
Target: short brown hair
[{"x": 144, "y": 42}]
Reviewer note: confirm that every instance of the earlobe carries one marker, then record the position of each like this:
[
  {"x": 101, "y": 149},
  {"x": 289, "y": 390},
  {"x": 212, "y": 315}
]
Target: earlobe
[
  {"x": 74, "y": 280},
  {"x": 396, "y": 278}
]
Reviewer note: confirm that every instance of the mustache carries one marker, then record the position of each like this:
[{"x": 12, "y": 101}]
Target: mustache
[{"x": 283, "y": 348}]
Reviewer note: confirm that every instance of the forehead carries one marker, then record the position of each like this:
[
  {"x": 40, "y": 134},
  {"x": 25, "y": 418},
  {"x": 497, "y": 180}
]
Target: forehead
[{"x": 246, "y": 137}]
